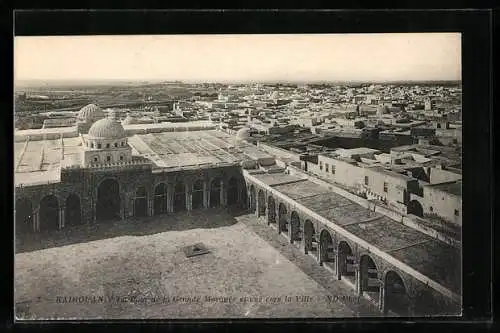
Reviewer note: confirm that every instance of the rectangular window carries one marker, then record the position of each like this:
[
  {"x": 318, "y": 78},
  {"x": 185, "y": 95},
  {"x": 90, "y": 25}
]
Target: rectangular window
[
  {"x": 333, "y": 169},
  {"x": 326, "y": 167},
  {"x": 457, "y": 213},
  {"x": 385, "y": 187},
  {"x": 366, "y": 180},
  {"x": 320, "y": 165}
]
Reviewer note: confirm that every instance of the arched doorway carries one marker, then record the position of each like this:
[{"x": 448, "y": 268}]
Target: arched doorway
[
  {"x": 24, "y": 216},
  {"x": 327, "y": 251},
  {"x": 179, "y": 197},
  {"x": 346, "y": 260},
  {"x": 198, "y": 194},
  {"x": 141, "y": 202},
  {"x": 271, "y": 210},
  {"x": 160, "y": 200},
  {"x": 253, "y": 199},
  {"x": 108, "y": 200},
  {"x": 73, "y": 215},
  {"x": 282, "y": 218},
  {"x": 396, "y": 299},
  {"x": 415, "y": 208},
  {"x": 295, "y": 226},
  {"x": 215, "y": 193},
  {"x": 49, "y": 213},
  {"x": 232, "y": 192},
  {"x": 310, "y": 243},
  {"x": 262, "y": 203},
  {"x": 368, "y": 275}
]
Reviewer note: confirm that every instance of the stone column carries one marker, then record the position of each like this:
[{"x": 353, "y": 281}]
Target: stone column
[
  {"x": 94, "y": 211},
  {"x": 358, "y": 279},
  {"x": 277, "y": 218},
  {"x": 170, "y": 200},
  {"x": 411, "y": 305},
  {"x": 189, "y": 198},
  {"x": 150, "y": 206},
  {"x": 61, "y": 217},
  {"x": 257, "y": 205},
  {"x": 36, "y": 220},
  {"x": 123, "y": 208},
  {"x": 265, "y": 205},
  {"x": 205, "y": 195},
  {"x": 337, "y": 265},
  {"x": 223, "y": 194},
  {"x": 381, "y": 305},
  {"x": 319, "y": 257}
]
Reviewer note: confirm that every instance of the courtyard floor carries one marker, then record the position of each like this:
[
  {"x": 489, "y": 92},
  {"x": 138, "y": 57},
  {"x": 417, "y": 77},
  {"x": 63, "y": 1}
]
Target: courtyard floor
[{"x": 143, "y": 273}]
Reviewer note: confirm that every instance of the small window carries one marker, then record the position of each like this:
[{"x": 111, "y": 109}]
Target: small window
[
  {"x": 333, "y": 169},
  {"x": 123, "y": 143},
  {"x": 366, "y": 180},
  {"x": 107, "y": 145},
  {"x": 116, "y": 144},
  {"x": 321, "y": 165},
  {"x": 457, "y": 213},
  {"x": 99, "y": 146},
  {"x": 95, "y": 159},
  {"x": 108, "y": 158},
  {"x": 92, "y": 145},
  {"x": 326, "y": 167},
  {"x": 431, "y": 209},
  {"x": 121, "y": 158},
  {"x": 385, "y": 187}
]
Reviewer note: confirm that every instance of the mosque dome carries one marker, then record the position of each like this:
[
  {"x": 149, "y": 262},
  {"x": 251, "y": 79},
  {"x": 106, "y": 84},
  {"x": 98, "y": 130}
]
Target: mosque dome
[
  {"x": 243, "y": 133},
  {"x": 107, "y": 128},
  {"x": 90, "y": 113}
]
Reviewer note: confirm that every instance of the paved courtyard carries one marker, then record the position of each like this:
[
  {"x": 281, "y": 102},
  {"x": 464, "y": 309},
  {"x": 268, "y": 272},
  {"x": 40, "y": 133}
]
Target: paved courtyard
[{"x": 250, "y": 272}]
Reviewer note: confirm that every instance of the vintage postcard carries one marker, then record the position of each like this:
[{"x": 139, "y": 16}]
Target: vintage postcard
[{"x": 238, "y": 176}]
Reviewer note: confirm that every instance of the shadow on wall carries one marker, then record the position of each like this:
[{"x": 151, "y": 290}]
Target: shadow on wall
[{"x": 207, "y": 219}]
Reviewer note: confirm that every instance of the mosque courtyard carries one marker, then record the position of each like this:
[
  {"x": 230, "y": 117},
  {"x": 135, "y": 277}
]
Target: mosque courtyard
[{"x": 137, "y": 269}]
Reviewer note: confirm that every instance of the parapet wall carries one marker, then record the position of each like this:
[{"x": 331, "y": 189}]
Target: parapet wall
[
  {"x": 21, "y": 137},
  {"x": 279, "y": 153}
]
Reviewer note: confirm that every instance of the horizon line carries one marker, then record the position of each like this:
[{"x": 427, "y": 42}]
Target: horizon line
[{"x": 146, "y": 80}]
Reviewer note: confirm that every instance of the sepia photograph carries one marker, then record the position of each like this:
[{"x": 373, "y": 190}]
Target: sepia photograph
[{"x": 225, "y": 176}]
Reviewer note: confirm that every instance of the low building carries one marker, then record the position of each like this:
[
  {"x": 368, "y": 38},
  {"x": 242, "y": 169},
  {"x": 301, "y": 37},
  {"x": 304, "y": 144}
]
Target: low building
[{"x": 443, "y": 201}]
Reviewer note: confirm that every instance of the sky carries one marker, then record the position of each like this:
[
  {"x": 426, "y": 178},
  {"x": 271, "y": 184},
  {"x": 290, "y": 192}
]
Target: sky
[{"x": 236, "y": 58}]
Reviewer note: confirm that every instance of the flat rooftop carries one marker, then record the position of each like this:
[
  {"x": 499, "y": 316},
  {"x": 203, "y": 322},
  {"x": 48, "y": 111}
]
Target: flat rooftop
[
  {"x": 182, "y": 149},
  {"x": 38, "y": 162},
  {"x": 411, "y": 247},
  {"x": 356, "y": 151},
  {"x": 452, "y": 188}
]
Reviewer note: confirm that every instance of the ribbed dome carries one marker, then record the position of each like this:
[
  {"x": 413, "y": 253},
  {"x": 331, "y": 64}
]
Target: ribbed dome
[
  {"x": 90, "y": 112},
  {"x": 243, "y": 133},
  {"x": 107, "y": 128}
]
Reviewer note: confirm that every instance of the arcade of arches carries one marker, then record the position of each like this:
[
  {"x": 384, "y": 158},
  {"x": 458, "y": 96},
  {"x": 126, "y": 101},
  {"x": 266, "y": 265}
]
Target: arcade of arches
[
  {"x": 53, "y": 212},
  {"x": 384, "y": 287}
]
